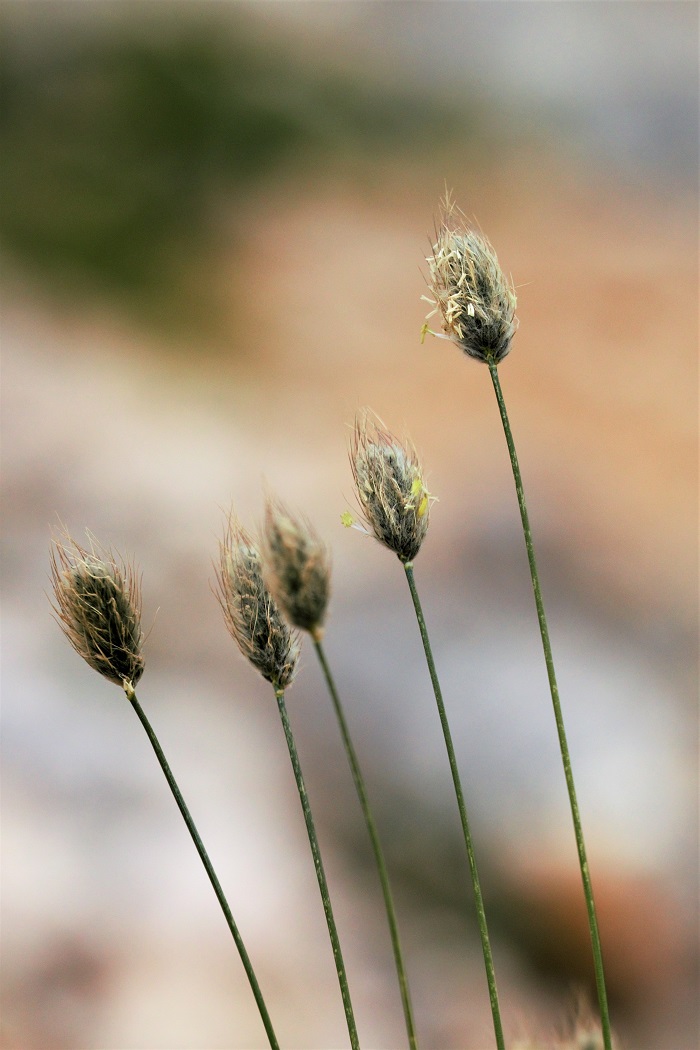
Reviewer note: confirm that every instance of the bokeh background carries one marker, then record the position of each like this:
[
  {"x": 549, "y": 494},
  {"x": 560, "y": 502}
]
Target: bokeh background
[{"x": 214, "y": 220}]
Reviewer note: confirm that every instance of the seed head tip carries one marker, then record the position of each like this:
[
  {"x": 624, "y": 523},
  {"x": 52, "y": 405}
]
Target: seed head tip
[
  {"x": 469, "y": 292},
  {"x": 390, "y": 487},
  {"x": 97, "y": 603},
  {"x": 250, "y": 612},
  {"x": 296, "y": 566}
]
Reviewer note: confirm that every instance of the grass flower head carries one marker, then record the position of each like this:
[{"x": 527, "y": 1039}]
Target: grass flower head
[
  {"x": 296, "y": 567},
  {"x": 252, "y": 617},
  {"x": 98, "y": 606},
  {"x": 390, "y": 487},
  {"x": 469, "y": 291}
]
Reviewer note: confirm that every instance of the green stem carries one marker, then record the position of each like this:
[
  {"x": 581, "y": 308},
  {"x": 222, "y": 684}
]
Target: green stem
[
  {"x": 204, "y": 856},
  {"x": 558, "y": 716},
  {"x": 320, "y": 873},
  {"x": 376, "y": 846},
  {"x": 479, "y": 901}
]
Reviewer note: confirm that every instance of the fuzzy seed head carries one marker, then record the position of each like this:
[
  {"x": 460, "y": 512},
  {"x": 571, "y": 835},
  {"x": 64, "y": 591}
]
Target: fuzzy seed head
[
  {"x": 97, "y": 603},
  {"x": 296, "y": 567},
  {"x": 252, "y": 617},
  {"x": 475, "y": 301},
  {"x": 390, "y": 487}
]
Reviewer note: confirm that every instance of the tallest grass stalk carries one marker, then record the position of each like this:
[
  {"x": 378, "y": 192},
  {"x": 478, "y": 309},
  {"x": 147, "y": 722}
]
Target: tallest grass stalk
[
  {"x": 558, "y": 715},
  {"x": 477, "y": 307}
]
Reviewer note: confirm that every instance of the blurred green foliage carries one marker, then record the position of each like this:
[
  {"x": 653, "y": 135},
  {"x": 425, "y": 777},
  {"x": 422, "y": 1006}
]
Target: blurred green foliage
[{"x": 119, "y": 146}]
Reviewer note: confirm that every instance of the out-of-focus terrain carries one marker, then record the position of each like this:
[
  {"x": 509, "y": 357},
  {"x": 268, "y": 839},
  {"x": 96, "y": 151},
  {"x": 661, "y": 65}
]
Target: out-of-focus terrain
[{"x": 214, "y": 225}]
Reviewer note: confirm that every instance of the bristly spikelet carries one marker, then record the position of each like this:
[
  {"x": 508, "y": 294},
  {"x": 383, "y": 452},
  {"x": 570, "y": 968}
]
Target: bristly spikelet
[
  {"x": 251, "y": 615},
  {"x": 296, "y": 567},
  {"x": 98, "y": 607},
  {"x": 390, "y": 488},
  {"x": 469, "y": 290}
]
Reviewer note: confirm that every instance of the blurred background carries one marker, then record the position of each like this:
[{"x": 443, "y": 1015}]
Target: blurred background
[{"x": 213, "y": 226}]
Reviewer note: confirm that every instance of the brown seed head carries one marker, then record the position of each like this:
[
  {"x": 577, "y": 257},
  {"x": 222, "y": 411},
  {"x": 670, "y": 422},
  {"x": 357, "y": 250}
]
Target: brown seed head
[
  {"x": 390, "y": 488},
  {"x": 296, "y": 567},
  {"x": 251, "y": 615},
  {"x": 98, "y": 607},
  {"x": 469, "y": 290}
]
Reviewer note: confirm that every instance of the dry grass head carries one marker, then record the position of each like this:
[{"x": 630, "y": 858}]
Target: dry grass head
[
  {"x": 390, "y": 487},
  {"x": 296, "y": 567},
  {"x": 98, "y": 606},
  {"x": 475, "y": 301},
  {"x": 252, "y": 617}
]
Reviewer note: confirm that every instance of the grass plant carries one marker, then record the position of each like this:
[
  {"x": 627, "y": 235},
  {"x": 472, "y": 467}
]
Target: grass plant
[
  {"x": 477, "y": 307},
  {"x": 98, "y": 606},
  {"x": 298, "y": 574},
  {"x": 264, "y": 638},
  {"x": 271, "y": 590},
  {"x": 396, "y": 507}
]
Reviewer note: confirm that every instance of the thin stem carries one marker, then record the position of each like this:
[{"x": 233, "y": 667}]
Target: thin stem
[
  {"x": 558, "y": 716},
  {"x": 376, "y": 845},
  {"x": 478, "y": 898},
  {"x": 320, "y": 873},
  {"x": 204, "y": 856}
]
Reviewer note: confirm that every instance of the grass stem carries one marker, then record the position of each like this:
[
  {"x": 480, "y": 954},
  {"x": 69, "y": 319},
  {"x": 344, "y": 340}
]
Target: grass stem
[
  {"x": 320, "y": 873},
  {"x": 204, "y": 856},
  {"x": 376, "y": 845},
  {"x": 478, "y": 898},
  {"x": 558, "y": 716}
]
